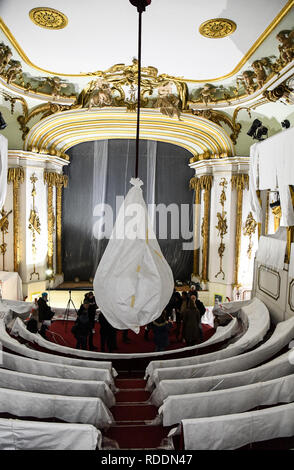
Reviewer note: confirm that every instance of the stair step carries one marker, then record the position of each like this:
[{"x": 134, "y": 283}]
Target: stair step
[
  {"x": 130, "y": 383},
  {"x": 137, "y": 437},
  {"x": 136, "y": 395},
  {"x": 138, "y": 412}
]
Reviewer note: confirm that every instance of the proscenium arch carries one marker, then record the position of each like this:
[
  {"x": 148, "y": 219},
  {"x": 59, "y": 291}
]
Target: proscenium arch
[{"x": 55, "y": 134}]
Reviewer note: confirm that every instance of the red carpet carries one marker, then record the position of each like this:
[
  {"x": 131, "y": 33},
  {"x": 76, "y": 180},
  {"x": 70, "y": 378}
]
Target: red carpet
[
  {"x": 137, "y": 342},
  {"x": 131, "y": 430}
]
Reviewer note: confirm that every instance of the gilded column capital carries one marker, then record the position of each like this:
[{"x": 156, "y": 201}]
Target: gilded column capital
[
  {"x": 194, "y": 183},
  {"x": 15, "y": 175},
  {"x": 54, "y": 179},
  {"x": 240, "y": 181},
  {"x": 206, "y": 182}
]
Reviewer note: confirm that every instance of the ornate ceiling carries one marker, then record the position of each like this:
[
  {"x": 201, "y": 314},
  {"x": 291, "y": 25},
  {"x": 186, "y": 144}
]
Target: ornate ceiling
[{"x": 68, "y": 58}]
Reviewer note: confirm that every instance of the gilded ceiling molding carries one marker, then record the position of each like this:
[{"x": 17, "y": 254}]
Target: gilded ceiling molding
[
  {"x": 285, "y": 10},
  {"x": 217, "y": 28},
  {"x": 55, "y": 134},
  {"x": 16, "y": 177},
  {"x": 48, "y": 18}
]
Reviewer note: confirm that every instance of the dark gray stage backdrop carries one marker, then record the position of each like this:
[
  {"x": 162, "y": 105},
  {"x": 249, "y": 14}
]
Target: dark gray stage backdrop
[{"x": 80, "y": 252}]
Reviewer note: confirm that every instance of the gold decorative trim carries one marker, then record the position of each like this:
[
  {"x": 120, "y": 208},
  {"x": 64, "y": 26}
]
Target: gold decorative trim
[
  {"x": 222, "y": 226},
  {"x": 249, "y": 230},
  {"x": 34, "y": 226},
  {"x": 243, "y": 61},
  {"x": 48, "y": 18},
  {"x": 4, "y": 226},
  {"x": 16, "y": 176},
  {"x": 61, "y": 181},
  {"x": 239, "y": 182},
  {"x": 194, "y": 184},
  {"x": 217, "y": 28},
  {"x": 49, "y": 179},
  {"x": 205, "y": 184}
]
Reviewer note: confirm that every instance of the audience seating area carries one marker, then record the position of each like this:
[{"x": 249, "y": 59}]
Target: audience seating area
[{"x": 213, "y": 399}]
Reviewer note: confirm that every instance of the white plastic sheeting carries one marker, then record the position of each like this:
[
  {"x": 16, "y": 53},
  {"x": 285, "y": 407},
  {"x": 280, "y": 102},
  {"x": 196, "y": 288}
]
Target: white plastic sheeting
[
  {"x": 11, "y": 285},
  {"x": 20, "y": 329},
  {"x": 237, "y": 430},
  {"x": 271, "y": 252},
  {"x": 17, "y": 434},
  {"x": 3, "y": 169},
  {"x": 278, "y": 367},
  {"x": 13, "y": 345},
  {"x": 281, "y": 337},
  {"x": 133, "y": 282},
  {"x": 50, "y": 369},
  {"x": 258, "y": 319},
  {"x": 83, "y": 410},
  {"x": 291, "y": 264},
  {"x": 56, "y": 386},
  {"x": 271, "y": 167},
  {"x": 229, "y": 401}
]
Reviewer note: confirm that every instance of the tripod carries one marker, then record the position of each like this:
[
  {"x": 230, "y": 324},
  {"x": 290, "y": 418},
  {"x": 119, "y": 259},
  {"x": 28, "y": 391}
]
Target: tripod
[{"x": 69, "y": 303}]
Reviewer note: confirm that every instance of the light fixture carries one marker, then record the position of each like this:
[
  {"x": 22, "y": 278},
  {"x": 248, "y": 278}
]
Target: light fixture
[
  {"x": 285, "y": 124},
  {"x": 2, "y": 122},
  {"x": 257, "y": 130}
]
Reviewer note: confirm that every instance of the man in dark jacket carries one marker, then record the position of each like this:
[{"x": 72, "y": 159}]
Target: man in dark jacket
[
  {"x": 92, "y": 313},
  {"x": 201, "y": 308},
  {"x": 45, "y": 313},
  {"x": 107, "y": 334},
  {"x": 82, "y": 326}
]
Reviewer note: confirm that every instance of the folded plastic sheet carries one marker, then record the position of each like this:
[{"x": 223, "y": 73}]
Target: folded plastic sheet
[
  {"x": 85, "y": 410},
  {"x": 257, "y": 316},
  {"x": 9, "y": 309},
  {"x": 50, "y": 369},
  {"x": 278, "y": 367},
  {"x": 19, "y": 329},
  {"x": 229, "y": 401},
  {"x": 17, "y": 434},
  {"x": 271, "y": 252},
  {"x": 133, "y": 282},
  {"x": 56, "y": 386},
  {"x": 237, "y": 430},
  {"x": 13, "y": 345},
  {"x": 283, "y": 334}
]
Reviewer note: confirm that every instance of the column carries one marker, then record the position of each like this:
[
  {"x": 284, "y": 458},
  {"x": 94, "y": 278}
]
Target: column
[
  {"x": 239, "y": 182},
  {"x": 195, "y": 185},
  {"x": 205, "y": 184},
  {"x": 50, "y": 180},
  {"x": 60, "y": 183},
  {"x": 16, "y": 176}
]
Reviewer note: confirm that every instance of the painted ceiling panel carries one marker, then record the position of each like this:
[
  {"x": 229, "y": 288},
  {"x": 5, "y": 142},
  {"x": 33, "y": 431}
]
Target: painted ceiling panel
[{"x": 101, "y": 33}]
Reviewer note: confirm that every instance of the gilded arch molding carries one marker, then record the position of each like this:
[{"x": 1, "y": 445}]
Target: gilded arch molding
[{"x": 55, "y": 134}]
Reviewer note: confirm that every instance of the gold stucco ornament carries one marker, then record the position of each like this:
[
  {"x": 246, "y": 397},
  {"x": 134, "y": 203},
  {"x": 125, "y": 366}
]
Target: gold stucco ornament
[
  {"x": 48, "y": 18},
  {"x": 217, "y": 28}
]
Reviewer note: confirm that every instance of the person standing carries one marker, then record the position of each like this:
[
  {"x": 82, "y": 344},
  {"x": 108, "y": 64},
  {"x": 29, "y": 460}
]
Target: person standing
[
  {"x": 45, "y": 314},
  {"x": 201, "y": 309},
  {"x": 92, "y": 313},
  {"x": 107, "y": 334},
  {"x": 82, "y": 327},
  {"x": 191, "y": 321},
  {"x": 161, "y": 328}
]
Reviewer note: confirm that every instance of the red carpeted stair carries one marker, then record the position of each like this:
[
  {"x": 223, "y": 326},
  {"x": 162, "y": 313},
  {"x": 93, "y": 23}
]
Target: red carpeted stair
[{"x": 133, "y": 415}]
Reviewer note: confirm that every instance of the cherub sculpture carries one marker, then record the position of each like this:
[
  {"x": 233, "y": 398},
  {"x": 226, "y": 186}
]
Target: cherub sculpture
[
  {"x": 167, "y": 103},
  {"x": 14, "y": 69},
  {"x": 5, "y": 56},
  {"x": 286, "y": 48},
  {"x": 100, "y": 94},
  {"x": 247, "y": 79}
]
